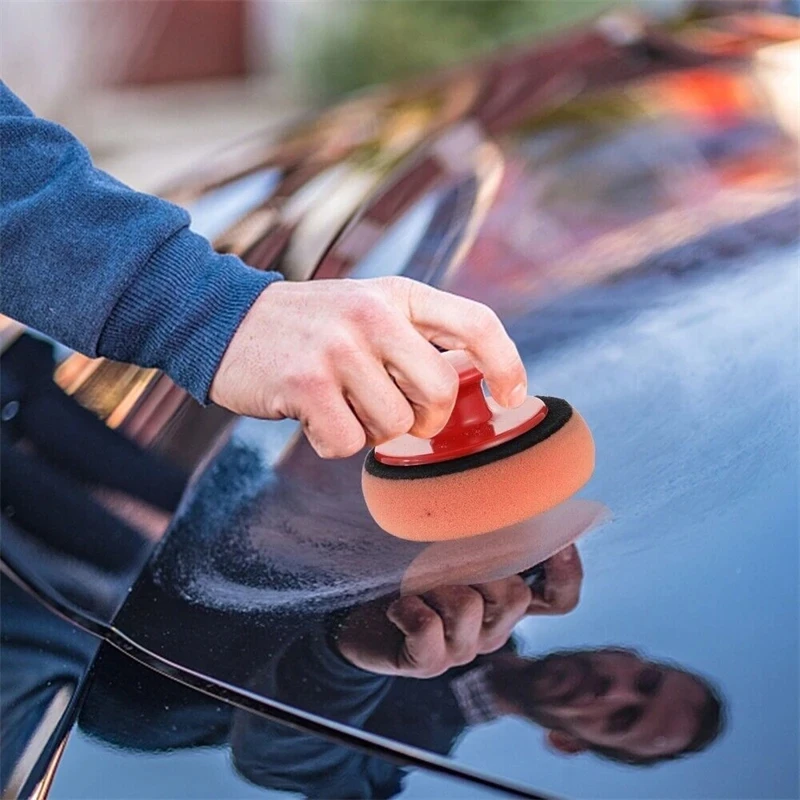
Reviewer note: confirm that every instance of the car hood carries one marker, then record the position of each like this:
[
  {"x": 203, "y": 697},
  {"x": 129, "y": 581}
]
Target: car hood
[{"x": 630, "y": 211}]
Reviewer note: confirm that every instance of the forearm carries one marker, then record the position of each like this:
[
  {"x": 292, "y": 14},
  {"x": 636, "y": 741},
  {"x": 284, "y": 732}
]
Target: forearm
[
  {"x": 312, "y": 676},
  {"x": 107, "y": 270},
  {"x": 341, "y": 691}
]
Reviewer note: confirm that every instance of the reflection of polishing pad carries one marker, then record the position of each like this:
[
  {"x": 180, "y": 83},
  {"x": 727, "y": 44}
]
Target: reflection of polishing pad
[{"x": 504, "y": 552}]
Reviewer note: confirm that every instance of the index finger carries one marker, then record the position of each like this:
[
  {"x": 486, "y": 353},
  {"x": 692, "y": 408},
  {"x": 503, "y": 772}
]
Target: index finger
[{"x": 457, "y": 323}]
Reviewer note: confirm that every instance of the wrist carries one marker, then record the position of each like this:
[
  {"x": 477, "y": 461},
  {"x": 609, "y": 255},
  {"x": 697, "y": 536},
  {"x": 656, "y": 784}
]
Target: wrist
[{"x": 182, "y": 310}]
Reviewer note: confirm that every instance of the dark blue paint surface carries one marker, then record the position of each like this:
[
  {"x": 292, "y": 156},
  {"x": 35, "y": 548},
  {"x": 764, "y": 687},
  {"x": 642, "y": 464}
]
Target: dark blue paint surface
[
  {"x": 633, "y": 248},
  {"x": 690, "y": 385}
]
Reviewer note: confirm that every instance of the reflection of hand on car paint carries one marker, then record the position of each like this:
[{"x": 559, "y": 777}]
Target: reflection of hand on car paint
[
  {"x": 355, "y": 361},
  {"x": 612, "y": 702},
  {"x": 558, "y": 591},
  {"x": 424, "y": 635}
]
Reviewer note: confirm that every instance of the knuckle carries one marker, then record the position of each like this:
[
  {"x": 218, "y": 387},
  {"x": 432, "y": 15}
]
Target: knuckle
[
  {"x": 396, "y": 284},
  {"x": 436, "y": 668},
  {"x": 420, "y": 619},
  {"x": 493, "y": 642},
  {"x": 463, "y": 655},
  {"x": 568, "y": 604},
  {"x": 400, "y": 421},
  {"x": 472, "y": 601},
  {"x": 309, "y": 381},
  {"x": 442, "y": 393},
  {"x": 366, "y": 309},
  {"x": 483, "y": 321},
  {"x": 342, "y": 346},
  {"x": 461, "y": 601},
  {"x": 518, "y": 592}
]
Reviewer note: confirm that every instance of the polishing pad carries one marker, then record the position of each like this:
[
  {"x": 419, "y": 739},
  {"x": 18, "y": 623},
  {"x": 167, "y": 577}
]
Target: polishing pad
[{"x": 489, "y": 468}]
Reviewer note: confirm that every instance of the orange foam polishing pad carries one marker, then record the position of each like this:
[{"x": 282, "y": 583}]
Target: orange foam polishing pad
[{"x": 486, "y": 490}]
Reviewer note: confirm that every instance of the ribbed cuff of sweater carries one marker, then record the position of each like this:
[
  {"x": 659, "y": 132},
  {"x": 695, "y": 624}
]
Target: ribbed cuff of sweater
[{"x": 181, "y": 311}]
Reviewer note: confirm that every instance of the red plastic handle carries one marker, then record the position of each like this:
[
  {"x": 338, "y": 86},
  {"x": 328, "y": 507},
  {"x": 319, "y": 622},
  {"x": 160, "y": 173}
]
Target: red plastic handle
[
  {"x": 477, "y": 423},
  {"x": 471, "y": 408}
]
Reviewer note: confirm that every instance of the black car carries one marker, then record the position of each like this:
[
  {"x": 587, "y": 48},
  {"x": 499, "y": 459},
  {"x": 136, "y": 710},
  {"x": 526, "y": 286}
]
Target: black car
[{"x": 196, "y": 606}]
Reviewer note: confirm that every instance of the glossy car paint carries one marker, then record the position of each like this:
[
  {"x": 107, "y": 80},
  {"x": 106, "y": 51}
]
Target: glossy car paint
[{"x": 631, "y": 214}]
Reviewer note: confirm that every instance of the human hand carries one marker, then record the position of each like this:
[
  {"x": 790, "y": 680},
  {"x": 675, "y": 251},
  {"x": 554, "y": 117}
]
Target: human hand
[
  {"x": 560, "y": 590},
  {"x": 354, "y": 360},
  {"x": 423, "y": 636}
]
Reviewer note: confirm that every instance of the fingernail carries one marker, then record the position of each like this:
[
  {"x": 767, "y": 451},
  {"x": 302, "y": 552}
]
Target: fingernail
[{"x": 518, "y": 395}]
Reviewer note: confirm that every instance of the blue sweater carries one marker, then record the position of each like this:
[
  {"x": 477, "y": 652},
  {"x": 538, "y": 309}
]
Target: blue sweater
[{"x": 104, "y": 269}]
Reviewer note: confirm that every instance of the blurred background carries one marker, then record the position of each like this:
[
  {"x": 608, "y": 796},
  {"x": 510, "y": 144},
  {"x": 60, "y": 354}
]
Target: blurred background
[{"x": 153, "y": 85}]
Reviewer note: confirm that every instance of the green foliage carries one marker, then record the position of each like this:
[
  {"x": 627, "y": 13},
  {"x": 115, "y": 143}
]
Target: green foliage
[{"x": 374, "y": 41}]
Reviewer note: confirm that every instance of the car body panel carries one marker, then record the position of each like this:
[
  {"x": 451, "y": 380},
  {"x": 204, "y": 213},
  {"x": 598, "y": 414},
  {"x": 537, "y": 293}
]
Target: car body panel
[
  {"x": 684, "y": 573},
  {"x": 146, "y": 734},
  {"x": 630, "y": 210},
  {"x": 623, "y": 240}
]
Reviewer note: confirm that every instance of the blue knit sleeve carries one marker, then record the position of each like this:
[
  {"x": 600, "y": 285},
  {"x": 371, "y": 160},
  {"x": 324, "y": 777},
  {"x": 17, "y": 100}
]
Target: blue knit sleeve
[{"x": 107, "y": 270}]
